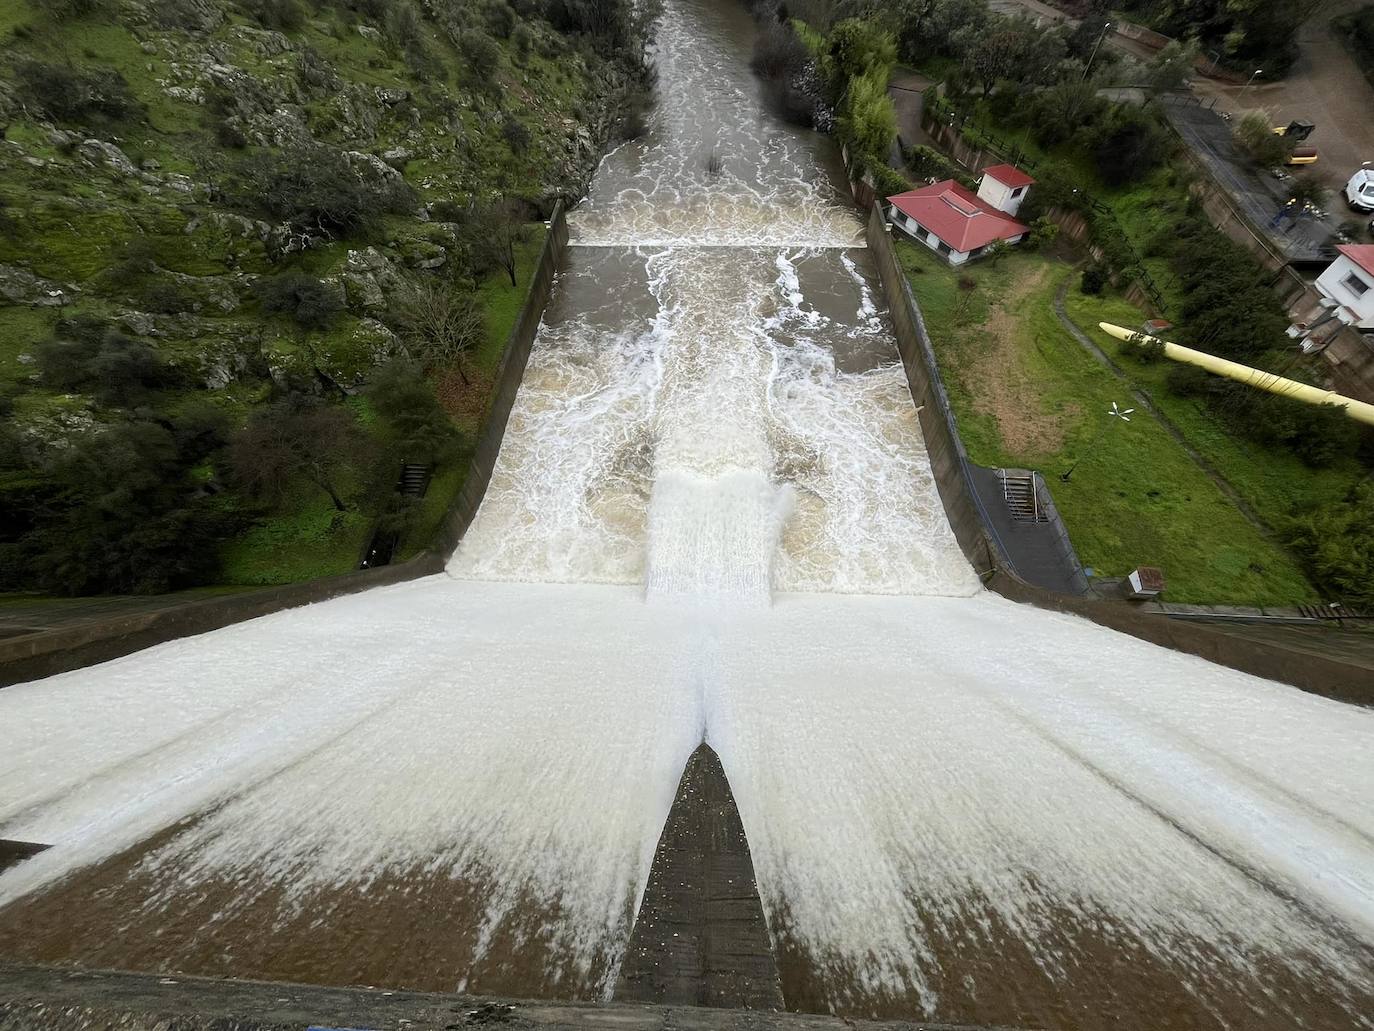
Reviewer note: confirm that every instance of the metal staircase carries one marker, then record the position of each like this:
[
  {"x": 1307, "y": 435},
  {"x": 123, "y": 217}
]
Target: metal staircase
[
  {"x": 1018, "y": 491},
  {"x": 414, "y": 480}
]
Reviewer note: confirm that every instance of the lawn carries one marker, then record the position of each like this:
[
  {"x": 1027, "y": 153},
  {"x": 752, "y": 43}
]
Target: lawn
[{"x": 1026, "y": 395}]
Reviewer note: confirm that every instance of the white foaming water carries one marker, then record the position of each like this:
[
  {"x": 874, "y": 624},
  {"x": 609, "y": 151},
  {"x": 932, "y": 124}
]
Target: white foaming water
[{"x": 722, "y": 427}]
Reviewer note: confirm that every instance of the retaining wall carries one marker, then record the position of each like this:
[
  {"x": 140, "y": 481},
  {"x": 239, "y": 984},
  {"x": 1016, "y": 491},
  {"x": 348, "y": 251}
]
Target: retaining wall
[
  {"x": 42, "y": 654},
  {"x": 1324, "y": 675}
]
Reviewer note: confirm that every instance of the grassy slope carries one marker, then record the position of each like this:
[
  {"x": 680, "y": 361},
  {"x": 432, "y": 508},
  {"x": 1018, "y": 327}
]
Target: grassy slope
[{"x": 1138, "y": 498}]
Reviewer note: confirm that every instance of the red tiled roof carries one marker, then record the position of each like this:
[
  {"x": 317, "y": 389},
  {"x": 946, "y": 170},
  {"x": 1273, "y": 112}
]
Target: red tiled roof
[
  {"x": 1362, "y": 254},
  {"x": 1009, "y": 175},
  {"x": 956, "y": 216}
]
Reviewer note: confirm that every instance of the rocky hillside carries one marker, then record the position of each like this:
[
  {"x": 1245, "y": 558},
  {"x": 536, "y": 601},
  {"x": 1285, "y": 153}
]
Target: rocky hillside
[{"x": 210, "y": 208}]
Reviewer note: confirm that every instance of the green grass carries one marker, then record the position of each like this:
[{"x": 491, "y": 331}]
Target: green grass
[
  {"x": 502, "y": 302},
  {"x": 1273, "y": 482},
  {"x": 1026, "y": 395},
  {"x": 310, "y": 540}
]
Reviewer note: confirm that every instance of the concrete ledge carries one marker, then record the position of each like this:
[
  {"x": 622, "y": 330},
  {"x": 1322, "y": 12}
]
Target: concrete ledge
[
  {"x": 35, "y": 998},
  {"x": 32, "y": 656}
]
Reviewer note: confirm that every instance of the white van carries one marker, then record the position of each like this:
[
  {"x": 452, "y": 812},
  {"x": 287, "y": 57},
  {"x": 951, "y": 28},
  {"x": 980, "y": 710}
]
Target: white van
[{"x": 1359, "y": 192}]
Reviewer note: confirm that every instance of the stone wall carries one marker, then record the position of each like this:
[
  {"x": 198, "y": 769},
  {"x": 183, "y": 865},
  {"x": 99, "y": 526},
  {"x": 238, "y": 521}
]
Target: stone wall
[
  {"x": 43, "y": 654},
  {"x": 1331, "y": 676}
]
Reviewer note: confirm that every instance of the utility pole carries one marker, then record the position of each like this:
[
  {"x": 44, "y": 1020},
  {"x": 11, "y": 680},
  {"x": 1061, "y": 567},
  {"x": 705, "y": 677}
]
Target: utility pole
[{"x": 1093, "y": 56}]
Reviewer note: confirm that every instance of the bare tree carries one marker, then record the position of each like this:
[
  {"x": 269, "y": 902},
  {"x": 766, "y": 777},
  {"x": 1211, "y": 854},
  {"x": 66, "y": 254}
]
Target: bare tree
[
  {"x": 439, "y": 324},
  {"x": 298, "y": 439}
]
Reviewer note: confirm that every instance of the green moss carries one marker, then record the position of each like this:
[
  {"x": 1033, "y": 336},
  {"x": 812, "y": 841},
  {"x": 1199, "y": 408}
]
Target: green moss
[{"x": 20, "y": 329}]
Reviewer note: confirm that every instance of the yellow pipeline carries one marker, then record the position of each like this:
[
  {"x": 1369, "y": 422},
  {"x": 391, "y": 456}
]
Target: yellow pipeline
[{"x": 1359, "y": 410}]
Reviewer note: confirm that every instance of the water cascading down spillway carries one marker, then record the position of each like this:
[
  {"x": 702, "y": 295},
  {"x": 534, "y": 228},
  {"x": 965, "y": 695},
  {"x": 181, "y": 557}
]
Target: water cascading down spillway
[{"x": 710, "y": 616}]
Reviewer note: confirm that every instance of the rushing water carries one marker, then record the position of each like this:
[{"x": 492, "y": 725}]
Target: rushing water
[{"x": 712, "y": 518}]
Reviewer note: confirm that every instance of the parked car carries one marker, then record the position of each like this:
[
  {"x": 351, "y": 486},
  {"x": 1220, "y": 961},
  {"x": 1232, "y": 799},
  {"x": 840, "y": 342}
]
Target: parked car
[{"x": 1359, "y": 191}]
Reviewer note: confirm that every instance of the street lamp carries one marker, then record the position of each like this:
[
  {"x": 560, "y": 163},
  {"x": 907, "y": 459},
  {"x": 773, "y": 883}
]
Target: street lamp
[
  {"x": 1093, "y": 56},
  {"x": 1246, "y": 87},
  {"x": 1113, "y": 413}
]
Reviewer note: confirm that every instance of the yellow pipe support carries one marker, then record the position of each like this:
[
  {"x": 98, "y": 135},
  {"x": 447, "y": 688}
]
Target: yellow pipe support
[{"x": 1359, "y": 410}]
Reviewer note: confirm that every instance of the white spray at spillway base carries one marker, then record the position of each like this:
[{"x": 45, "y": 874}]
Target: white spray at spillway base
[{"x": 712, "y": 518}]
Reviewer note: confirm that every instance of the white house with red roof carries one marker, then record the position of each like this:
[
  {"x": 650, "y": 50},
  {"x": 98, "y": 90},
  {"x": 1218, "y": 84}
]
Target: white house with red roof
[
  {"x": 959, "y": 224},
  {"x": 1349, "y": 281}
]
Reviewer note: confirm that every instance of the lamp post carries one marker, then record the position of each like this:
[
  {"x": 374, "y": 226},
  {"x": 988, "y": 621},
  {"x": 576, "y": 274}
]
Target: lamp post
[
  {"x": 1112, "y": 414},
  {"x": 1246, "y": 87},
  {"x": 1093, "y": 56}
]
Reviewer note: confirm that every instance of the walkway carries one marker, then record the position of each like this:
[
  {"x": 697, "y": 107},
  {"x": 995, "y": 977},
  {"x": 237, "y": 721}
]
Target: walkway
[{"x": 34, "y": 998}]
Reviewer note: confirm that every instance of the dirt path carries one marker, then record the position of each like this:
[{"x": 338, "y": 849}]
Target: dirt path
[
  {"x": 1143, "y": 400},
  {"x": 1006, "y": 391}
]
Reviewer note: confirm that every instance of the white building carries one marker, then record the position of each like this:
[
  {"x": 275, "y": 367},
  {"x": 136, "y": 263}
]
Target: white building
[
  {"x": 958, "y": 224},
  {"x": 1349, "y": 281}
]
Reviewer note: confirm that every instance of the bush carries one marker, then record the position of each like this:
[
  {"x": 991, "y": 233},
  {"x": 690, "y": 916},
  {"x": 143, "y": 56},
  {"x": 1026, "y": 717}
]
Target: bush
[
  {"x": 282, "y": 15},
  {"x": 86, "y": 356},
  {"x": 1336, "y": 546},
  {"x": 310, "y": 302},
  {"x": 129, "y": 518},
  {"x": 67, "y": 10},
  {"x": 414, "y": 424},
  {"x": 482, "y": 55},
  {"x": 1128, "y": 146},
  {"x": 515, "y": 134},
  {"x": 1255, "y": 134},
  {"x": 1094, "y": 280},
  {"x": 68, "y": 94},
  {"x": 500, "y": 19},
  {"x": 779, "y": 52},
  {"x": 1142, "y": 349},
  {"x": 317, "y": 188},
  {"x": 522, "y": 38}
]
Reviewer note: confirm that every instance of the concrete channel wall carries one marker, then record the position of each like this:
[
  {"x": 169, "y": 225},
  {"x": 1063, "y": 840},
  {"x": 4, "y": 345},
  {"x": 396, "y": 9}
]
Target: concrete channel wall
[
  {"x": 42, "y": 654},
  {"x": 954, "y": 476}
]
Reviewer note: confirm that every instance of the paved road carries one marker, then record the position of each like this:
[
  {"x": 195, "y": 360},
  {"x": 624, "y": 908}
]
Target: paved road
[{"x": 1324, "y": 87}]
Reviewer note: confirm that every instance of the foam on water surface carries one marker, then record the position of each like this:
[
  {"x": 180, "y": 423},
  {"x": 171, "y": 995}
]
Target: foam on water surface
[{"x": 712, "y": 518}]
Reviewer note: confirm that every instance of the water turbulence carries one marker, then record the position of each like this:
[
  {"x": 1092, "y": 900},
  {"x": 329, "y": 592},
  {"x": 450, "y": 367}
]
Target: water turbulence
[{"x": 712, "y": 520}]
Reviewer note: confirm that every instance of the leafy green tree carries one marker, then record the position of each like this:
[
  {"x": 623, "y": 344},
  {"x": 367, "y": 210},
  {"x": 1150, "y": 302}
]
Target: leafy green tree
[
  {"x": 415, "y": 425},
  {"x": 857, "y": 48},
  {"x": 127, "y": 517},
  {"x": 1336, "y": 544},
  {"x": 867, "y": 121}
]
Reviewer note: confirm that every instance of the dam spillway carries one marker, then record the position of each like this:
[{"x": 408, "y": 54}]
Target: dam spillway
[{"x": 711, "y": 521}]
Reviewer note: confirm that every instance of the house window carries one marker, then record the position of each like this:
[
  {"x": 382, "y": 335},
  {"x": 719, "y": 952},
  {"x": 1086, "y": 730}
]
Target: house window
[
  {"x": 944, "y": 247},
  {"x": 1018, "y": 191},
  {"x": 1355, "y": 285}
]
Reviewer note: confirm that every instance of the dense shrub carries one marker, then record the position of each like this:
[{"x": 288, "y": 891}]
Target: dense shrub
[
  {"x": 66, "y": 10},
  {"x": 127, "y": 516},
  {"x": 414, "y": 425},
  {"x": 481, "y": 54},
  {"x": 522, "y": 38},
  {"x": 85, "y": 355},
  {"x": 317, "y": 187},
  {"x": 68, "y": 93},
  {"x": 779, "y": 52},
  {"x": 1128, "y": 145},
  {"x": 310, "y": 302},
  {"x": 516, "y": 135},
  {"x": 1335, "y": 542},
  {"x": 282, "y": 15},
  {"x": 1094, "y": 279}
]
